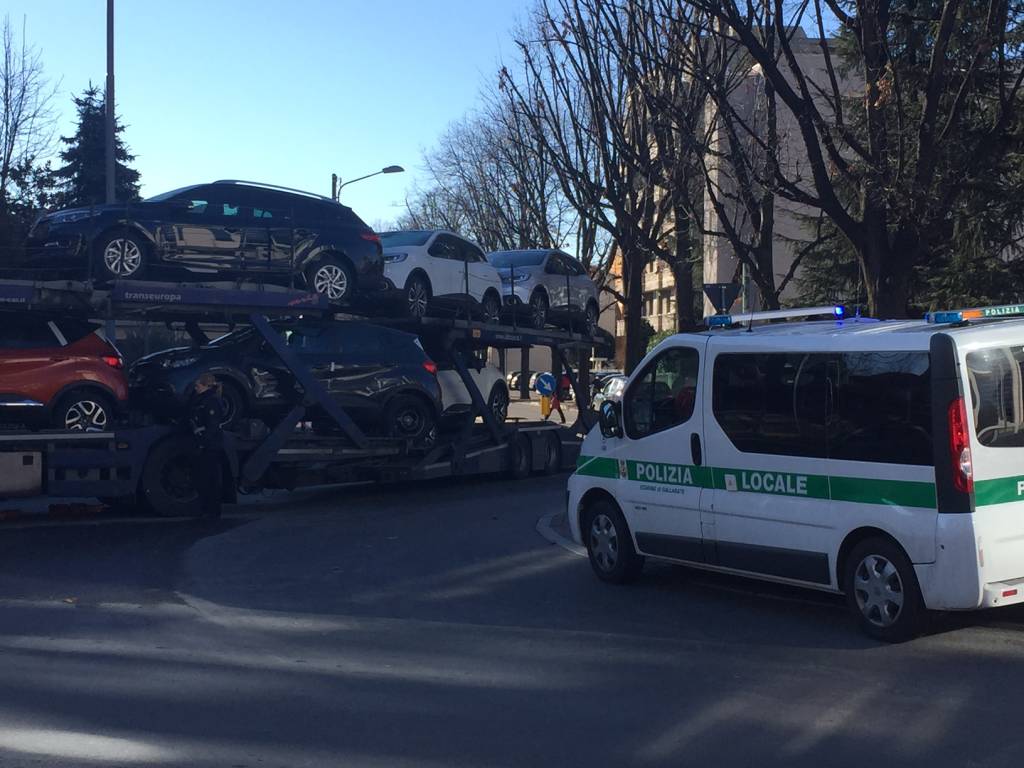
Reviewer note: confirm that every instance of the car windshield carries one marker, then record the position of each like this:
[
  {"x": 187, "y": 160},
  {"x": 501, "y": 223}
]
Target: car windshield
[
  {"x": 393, "y": 239},
  {"x": 504, "y": 259},
  {"x": 169, "y": 195}
]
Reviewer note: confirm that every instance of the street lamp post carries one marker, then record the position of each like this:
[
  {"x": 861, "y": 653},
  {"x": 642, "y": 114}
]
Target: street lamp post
[
  {"x": 109, "y": 99},
  {"x": 335, "y": 178}
]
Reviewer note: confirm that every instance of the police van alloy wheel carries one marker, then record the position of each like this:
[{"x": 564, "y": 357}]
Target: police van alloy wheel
[
  {"x": 121, "y": 256},
  {"x": 331, "y": 278},
  {"x": 538, "y": 310},
  {"x": 882, "y": 591},
  {"x": 417, "y": 297},
  {"x": 609, "y": 544},
  {"x": 491, "y": 309},
  {"x": 83, "y": 412}
]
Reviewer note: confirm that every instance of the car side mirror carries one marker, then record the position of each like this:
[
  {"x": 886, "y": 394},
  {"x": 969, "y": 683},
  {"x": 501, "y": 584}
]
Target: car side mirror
[{"x": 610, "y": 419}]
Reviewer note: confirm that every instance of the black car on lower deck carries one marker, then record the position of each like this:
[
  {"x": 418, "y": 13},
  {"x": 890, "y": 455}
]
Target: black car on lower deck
[
  {"x": 226, "y": 230},
  {"x": 381, "y": 377}
]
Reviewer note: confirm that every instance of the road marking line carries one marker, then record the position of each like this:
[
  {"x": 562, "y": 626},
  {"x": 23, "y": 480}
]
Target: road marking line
[{"x": 544, "y": 529}]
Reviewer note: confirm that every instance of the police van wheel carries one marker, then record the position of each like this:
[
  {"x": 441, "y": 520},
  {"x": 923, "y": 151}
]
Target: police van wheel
[
  {"x": 882, "y": 591},
  {"x": 610, "y": 545}
]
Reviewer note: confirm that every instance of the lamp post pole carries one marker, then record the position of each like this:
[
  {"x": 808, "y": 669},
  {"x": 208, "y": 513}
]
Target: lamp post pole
[
  {"x": 109, "y": 104},
  {"x": 335, "y": 179}
]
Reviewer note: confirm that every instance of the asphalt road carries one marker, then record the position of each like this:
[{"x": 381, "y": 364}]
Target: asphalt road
[{"x": 436, "y": 627}]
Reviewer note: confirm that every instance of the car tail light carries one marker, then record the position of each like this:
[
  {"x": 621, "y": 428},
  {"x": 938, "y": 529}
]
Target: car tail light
[
  {"x": 960, "y": 447},
  {"x": 113, "y": 361},
  {"x": 369, "y": 236},
  {"x": 430, "y": 367}
]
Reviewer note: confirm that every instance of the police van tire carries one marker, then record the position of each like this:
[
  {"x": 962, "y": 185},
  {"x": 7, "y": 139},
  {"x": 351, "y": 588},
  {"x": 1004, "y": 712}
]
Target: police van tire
[
  {"x": 882, "y": 591},
  {"x": 167, "y": 486},
  {"x": 610, "y": 544}
]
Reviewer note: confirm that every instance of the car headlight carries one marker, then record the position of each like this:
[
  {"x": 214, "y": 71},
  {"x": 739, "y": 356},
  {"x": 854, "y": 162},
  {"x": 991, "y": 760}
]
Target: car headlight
[
  {"x": 67, "y": 218},
  {"x": 178, "y": 362},
  {"x": 522, "y": 277},
  {"x": 394, "y": 258}
]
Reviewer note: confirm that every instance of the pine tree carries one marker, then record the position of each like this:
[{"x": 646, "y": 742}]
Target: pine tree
[{"x": 82, "y": 178}]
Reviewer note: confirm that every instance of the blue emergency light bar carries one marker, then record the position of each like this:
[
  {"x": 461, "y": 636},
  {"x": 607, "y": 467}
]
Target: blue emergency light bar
[
  {"x": 724, "y": 321},
  {"x": 953, "y": 316}
]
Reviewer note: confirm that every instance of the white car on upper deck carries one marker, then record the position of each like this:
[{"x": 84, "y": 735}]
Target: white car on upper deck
[{"x": 429, "y": 270}]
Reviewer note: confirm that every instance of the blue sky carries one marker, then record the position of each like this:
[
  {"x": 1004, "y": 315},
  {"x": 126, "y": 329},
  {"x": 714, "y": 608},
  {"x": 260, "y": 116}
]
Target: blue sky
[{"x": 284, "y": 91}]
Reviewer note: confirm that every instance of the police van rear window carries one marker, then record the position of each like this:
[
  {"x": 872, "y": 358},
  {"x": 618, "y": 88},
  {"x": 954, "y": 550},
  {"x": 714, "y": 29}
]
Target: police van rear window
[{"x": 997, "y": 396}]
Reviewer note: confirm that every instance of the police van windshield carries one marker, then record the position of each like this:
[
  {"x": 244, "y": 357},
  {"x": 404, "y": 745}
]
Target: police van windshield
[{"x": 997, "y": 396}]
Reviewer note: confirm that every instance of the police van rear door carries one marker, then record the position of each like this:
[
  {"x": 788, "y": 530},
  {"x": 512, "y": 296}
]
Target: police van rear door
[{"x": 992, "y": 363}]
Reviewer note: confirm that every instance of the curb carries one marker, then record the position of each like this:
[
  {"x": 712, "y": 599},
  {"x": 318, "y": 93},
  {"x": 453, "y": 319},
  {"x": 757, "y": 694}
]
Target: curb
[{"x": 545, "y": 529}]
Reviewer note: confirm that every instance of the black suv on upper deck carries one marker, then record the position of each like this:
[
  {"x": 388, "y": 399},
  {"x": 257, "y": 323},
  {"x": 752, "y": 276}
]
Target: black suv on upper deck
[{"x": 227, "y": 229}]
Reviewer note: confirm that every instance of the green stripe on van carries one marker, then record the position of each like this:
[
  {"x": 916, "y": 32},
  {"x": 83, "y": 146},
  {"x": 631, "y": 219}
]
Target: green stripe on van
[
  {"x": 998, "y": 491},
  {"x": 597, "y": 466},
  {"x": 861, "y": 490},
  {"x": 900, "y": 493}
]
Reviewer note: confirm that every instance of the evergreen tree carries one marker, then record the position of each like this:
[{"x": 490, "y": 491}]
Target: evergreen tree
[{"x": 82, "y": 178}]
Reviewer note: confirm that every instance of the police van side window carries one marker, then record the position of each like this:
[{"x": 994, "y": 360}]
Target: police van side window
[
  {"x": 663, "y": 395},
  {"x": 881, "y": 408},
  {"x": 772, "y": 403}
]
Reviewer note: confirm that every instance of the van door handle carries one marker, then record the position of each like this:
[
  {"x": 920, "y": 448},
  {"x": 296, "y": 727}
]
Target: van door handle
[{"x": 695, "y": 451}]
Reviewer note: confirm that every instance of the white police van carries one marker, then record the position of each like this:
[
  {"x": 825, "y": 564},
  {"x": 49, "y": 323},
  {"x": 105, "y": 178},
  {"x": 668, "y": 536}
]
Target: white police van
[{"x": 882, "y": 459}]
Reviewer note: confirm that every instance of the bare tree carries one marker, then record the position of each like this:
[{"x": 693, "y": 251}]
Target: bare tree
[
  {"x": 27, "y": 119},
  {"x": 581, "y": 88},
  {"x": 935, "y": 115}
]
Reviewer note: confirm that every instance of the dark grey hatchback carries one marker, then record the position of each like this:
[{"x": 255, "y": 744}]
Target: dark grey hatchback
[
  {"x": 381, "y": 377},
  {"x": 208, "y": 232}
]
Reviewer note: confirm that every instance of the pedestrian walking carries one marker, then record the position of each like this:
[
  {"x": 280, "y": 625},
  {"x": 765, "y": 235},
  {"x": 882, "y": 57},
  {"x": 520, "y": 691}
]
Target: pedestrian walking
[
  {"x": 206, "y": 417},
  {"x": 561, "y": 393}
]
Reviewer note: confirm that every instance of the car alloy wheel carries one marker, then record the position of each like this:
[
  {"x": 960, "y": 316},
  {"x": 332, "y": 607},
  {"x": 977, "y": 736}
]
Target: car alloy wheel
[
  {"x": 604, "y": 542},
  {"x": 538, "y": 310},
  {"x": 85, "y": 416},
  {"x": 491, "y": 310},
  {"x": 122, "y": 257},
  {"x": 879, "y": 590},
  {"x": 591, "y": 320},
  {"x": 331, "y": 281},
  {"x": 499, "y": 405},
  {"x": 417, "y": 296}
]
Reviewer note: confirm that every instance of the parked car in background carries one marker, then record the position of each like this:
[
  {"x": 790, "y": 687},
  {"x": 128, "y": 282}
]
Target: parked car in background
[
  {"x": 599, "y": 378},
  {"x": 513, "y": 378},
  {"x": 223, "y": 230},
  {"x": 59, "y": 373},
  {"x": 611, "y": 389},
  {"x": 381, "y": 377},
  {"x": 545, "y": 285},
  {"x": 433, "y": 269}
]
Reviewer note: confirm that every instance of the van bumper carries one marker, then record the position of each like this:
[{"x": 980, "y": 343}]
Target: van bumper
[{"x": 1001, "y": 593}]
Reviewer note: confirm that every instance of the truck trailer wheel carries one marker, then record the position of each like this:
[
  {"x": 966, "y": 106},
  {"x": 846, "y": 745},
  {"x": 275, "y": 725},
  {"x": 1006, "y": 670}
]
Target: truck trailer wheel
[
  {"x": 167, "y": 485},
  {"x": 520, "y": 457}
]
